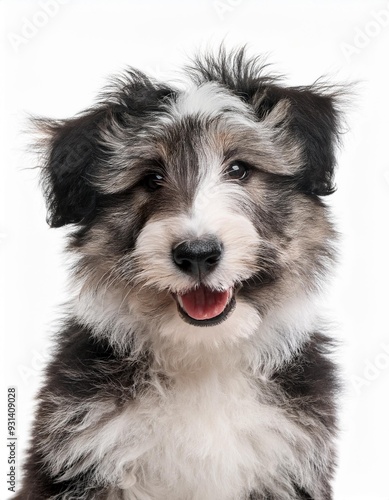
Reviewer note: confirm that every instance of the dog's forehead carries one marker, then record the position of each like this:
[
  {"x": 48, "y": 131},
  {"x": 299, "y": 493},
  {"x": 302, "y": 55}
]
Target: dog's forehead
[
  {"x": 205, "y": 116},
  {"x": 209, "y": 100}
]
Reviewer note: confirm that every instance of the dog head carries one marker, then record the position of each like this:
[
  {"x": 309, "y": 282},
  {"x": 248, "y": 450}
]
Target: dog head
[{"x": 199, "y": 207}]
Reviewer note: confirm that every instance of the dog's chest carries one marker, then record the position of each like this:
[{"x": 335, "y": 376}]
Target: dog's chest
[{"x": 206, "y": 437}]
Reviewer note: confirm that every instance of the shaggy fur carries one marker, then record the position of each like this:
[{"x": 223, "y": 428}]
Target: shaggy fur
[{"x": 192, "y": 363}]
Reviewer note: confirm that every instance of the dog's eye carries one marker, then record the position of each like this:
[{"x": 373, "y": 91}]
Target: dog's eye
[
  {"x": 238, "y": 170},
  {"x": 153, "y": 181}
]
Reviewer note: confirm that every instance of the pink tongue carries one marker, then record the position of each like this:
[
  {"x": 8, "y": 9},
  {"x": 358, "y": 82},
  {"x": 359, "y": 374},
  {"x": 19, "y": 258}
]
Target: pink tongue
[{"x": 204, "y": 303}]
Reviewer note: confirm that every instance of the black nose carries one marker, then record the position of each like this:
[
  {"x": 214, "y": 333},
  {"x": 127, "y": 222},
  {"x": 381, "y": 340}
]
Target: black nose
[{"x": 197, "y": 257}]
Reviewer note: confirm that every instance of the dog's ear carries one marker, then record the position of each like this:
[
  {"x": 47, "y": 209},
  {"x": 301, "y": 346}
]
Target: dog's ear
[
  {"x": 70, "y": 151},
  {"x": 307, "y": 120}
]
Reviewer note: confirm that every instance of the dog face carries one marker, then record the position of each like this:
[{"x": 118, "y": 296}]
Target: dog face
[{"x": 195, "y": 208}]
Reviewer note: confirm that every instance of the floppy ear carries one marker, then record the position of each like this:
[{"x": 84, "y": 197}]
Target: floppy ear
[
  {"x": 71, "y": 149},
  {"x": 307, "y": 119}
]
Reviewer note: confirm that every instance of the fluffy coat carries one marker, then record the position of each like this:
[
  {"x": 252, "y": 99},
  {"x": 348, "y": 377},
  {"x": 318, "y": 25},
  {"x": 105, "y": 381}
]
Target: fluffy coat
[{"x": 195, "y": 377}]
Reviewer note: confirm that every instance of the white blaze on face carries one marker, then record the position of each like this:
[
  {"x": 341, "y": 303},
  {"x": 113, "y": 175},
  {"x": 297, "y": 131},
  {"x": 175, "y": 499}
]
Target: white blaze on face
[{"x": 216, "y": 211}]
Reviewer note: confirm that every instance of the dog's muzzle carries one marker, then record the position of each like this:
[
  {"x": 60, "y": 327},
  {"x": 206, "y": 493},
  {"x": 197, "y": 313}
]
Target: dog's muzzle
[{"x": 202, "y": 306}]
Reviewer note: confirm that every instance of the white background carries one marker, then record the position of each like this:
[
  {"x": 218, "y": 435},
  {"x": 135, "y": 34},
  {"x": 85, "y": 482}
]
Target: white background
[{"x": 54, "y": 64}]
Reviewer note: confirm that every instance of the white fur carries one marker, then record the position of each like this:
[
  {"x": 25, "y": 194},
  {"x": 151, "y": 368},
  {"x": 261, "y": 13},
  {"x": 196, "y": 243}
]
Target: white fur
[
  {"x": 211, "y": 435},
  {"x": 210, "y": 100}
]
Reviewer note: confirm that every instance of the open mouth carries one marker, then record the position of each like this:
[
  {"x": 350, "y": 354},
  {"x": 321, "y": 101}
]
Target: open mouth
[{"x": 203, "y": 306}]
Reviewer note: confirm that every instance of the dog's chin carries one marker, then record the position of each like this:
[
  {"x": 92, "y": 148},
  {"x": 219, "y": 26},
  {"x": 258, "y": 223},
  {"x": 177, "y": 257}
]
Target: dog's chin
[{"x": 203, "y": 306}]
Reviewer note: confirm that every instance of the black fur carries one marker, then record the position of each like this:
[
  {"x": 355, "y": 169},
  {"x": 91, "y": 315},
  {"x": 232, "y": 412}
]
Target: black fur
[{"x": 66, "y": 179}]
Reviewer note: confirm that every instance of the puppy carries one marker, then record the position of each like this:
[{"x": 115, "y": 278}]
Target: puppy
[{"x": 192, "y": 363}]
